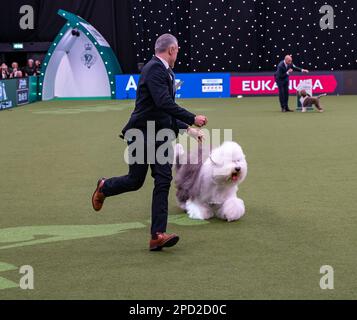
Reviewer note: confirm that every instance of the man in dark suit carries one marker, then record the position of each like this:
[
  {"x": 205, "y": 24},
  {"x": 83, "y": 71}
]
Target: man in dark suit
[
  {"x": 155, "y": 103},
  {"x": 285, "y": 68}
]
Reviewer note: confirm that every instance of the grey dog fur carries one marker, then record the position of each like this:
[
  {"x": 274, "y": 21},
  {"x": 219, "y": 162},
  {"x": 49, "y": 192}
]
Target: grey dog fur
[{"x": 186, "y": 180}]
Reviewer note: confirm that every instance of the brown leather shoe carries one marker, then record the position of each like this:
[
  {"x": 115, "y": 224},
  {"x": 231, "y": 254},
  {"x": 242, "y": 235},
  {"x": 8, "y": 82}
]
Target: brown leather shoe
[
  {"x": 163, "y": 240},
  {"x": 98, "y": 196}
]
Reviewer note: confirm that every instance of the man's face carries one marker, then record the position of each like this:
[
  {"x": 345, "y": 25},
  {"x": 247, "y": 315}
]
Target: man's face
[
  {"x": 173, "y": 51},
  {"x": 288, "y": 60}
]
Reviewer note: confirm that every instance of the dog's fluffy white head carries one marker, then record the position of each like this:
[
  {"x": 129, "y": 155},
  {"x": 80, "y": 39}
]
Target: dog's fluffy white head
[{"x": 227, "y": 163}]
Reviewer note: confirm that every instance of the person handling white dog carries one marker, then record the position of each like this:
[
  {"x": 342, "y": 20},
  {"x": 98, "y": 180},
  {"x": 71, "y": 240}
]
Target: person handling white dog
[{"x": 155, "y": 102}]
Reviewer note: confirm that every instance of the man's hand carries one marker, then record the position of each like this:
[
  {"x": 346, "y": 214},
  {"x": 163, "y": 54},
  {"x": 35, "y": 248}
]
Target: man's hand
[
  {"x": 196, "y": 133},
  {"x": 305, "y": 71},
  {"x": 200, "y": 121},
  {"x": 290, "y": 71}
]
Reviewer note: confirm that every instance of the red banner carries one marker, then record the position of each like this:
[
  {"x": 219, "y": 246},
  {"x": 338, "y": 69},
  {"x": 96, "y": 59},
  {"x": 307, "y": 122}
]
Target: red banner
[{"x": 260, "y": 85}]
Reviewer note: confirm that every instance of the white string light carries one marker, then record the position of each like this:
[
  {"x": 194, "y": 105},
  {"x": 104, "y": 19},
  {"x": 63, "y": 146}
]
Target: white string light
[{"x": 219, "y": 36}]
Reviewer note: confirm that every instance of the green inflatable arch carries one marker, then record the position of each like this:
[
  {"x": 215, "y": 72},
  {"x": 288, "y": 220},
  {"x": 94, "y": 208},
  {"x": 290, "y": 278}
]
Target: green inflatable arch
[{"x": 79, "y": 64}]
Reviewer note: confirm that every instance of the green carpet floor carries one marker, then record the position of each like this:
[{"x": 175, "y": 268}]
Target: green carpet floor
[{"x": 300, "y": 196}]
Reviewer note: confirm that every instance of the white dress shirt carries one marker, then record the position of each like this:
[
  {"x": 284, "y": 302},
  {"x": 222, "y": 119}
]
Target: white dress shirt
[{"x": 164, "y": 62}]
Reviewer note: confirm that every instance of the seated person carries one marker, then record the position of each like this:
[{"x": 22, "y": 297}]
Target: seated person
[
  {"x": 4, "y": 72},
  {"x": 16, "y": 72},
  {"x": 30, "y": 68},
  {"x": 37, "y": 68}
]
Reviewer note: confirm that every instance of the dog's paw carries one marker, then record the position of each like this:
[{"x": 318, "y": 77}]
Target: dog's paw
[
  {"x": 232, "y": 209},
  {"x": 193, "y": 211},
  {"x": 182, "y": 205},
  {"x": 197, "y": 211}
]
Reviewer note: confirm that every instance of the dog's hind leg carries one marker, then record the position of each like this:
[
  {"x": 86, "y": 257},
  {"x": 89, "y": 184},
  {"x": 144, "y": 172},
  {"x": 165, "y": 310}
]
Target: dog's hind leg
[
  {"x": 232, "y": 209},
  {"x": 316, "y": 102},
  {"x": 197, "y": 210}
]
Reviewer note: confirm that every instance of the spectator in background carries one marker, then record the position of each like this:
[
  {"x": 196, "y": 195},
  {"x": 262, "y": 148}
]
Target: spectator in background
[
  {"x": 16, "y": 72},
  {"x": 37, "y": 67},
  {"x": 14, "y": 66},
  {"x": 4, "y": 72},
  {"x": 30, "y": 68}
]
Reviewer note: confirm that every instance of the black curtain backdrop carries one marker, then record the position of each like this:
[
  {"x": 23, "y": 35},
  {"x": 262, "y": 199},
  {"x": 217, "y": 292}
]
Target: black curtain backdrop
[{"x": 214, "y": 35}]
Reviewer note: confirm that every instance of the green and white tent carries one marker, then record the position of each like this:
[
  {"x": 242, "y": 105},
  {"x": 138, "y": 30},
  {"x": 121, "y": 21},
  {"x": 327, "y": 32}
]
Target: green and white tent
[{"x": 79, "y": 64}]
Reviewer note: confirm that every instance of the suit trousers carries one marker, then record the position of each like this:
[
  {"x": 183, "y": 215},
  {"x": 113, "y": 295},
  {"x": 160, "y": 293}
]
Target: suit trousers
[
  {"x": 162, "y": 174},
  {"x": 283, "y": 94}
]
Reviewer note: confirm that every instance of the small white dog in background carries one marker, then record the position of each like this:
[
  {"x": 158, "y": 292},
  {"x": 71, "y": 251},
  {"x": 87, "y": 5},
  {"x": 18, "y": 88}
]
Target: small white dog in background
[{"x": 207, "y": 183}]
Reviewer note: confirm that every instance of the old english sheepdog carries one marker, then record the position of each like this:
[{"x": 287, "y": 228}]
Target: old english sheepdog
[{"x": 207, "y": 181}]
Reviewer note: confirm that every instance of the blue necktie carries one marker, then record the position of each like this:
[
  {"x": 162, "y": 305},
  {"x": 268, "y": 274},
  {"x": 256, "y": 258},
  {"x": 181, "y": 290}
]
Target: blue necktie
[{"x": 173, "y": 81}]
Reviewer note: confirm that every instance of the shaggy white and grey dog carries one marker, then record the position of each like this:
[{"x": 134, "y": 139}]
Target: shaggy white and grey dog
[{"x": 207, "y": 182}]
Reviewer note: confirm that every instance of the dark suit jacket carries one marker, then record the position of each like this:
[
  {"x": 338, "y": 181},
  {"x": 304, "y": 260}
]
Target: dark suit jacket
[
  {"x": 281, "y": 74},
  {"x": 155, "y": 101}
]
